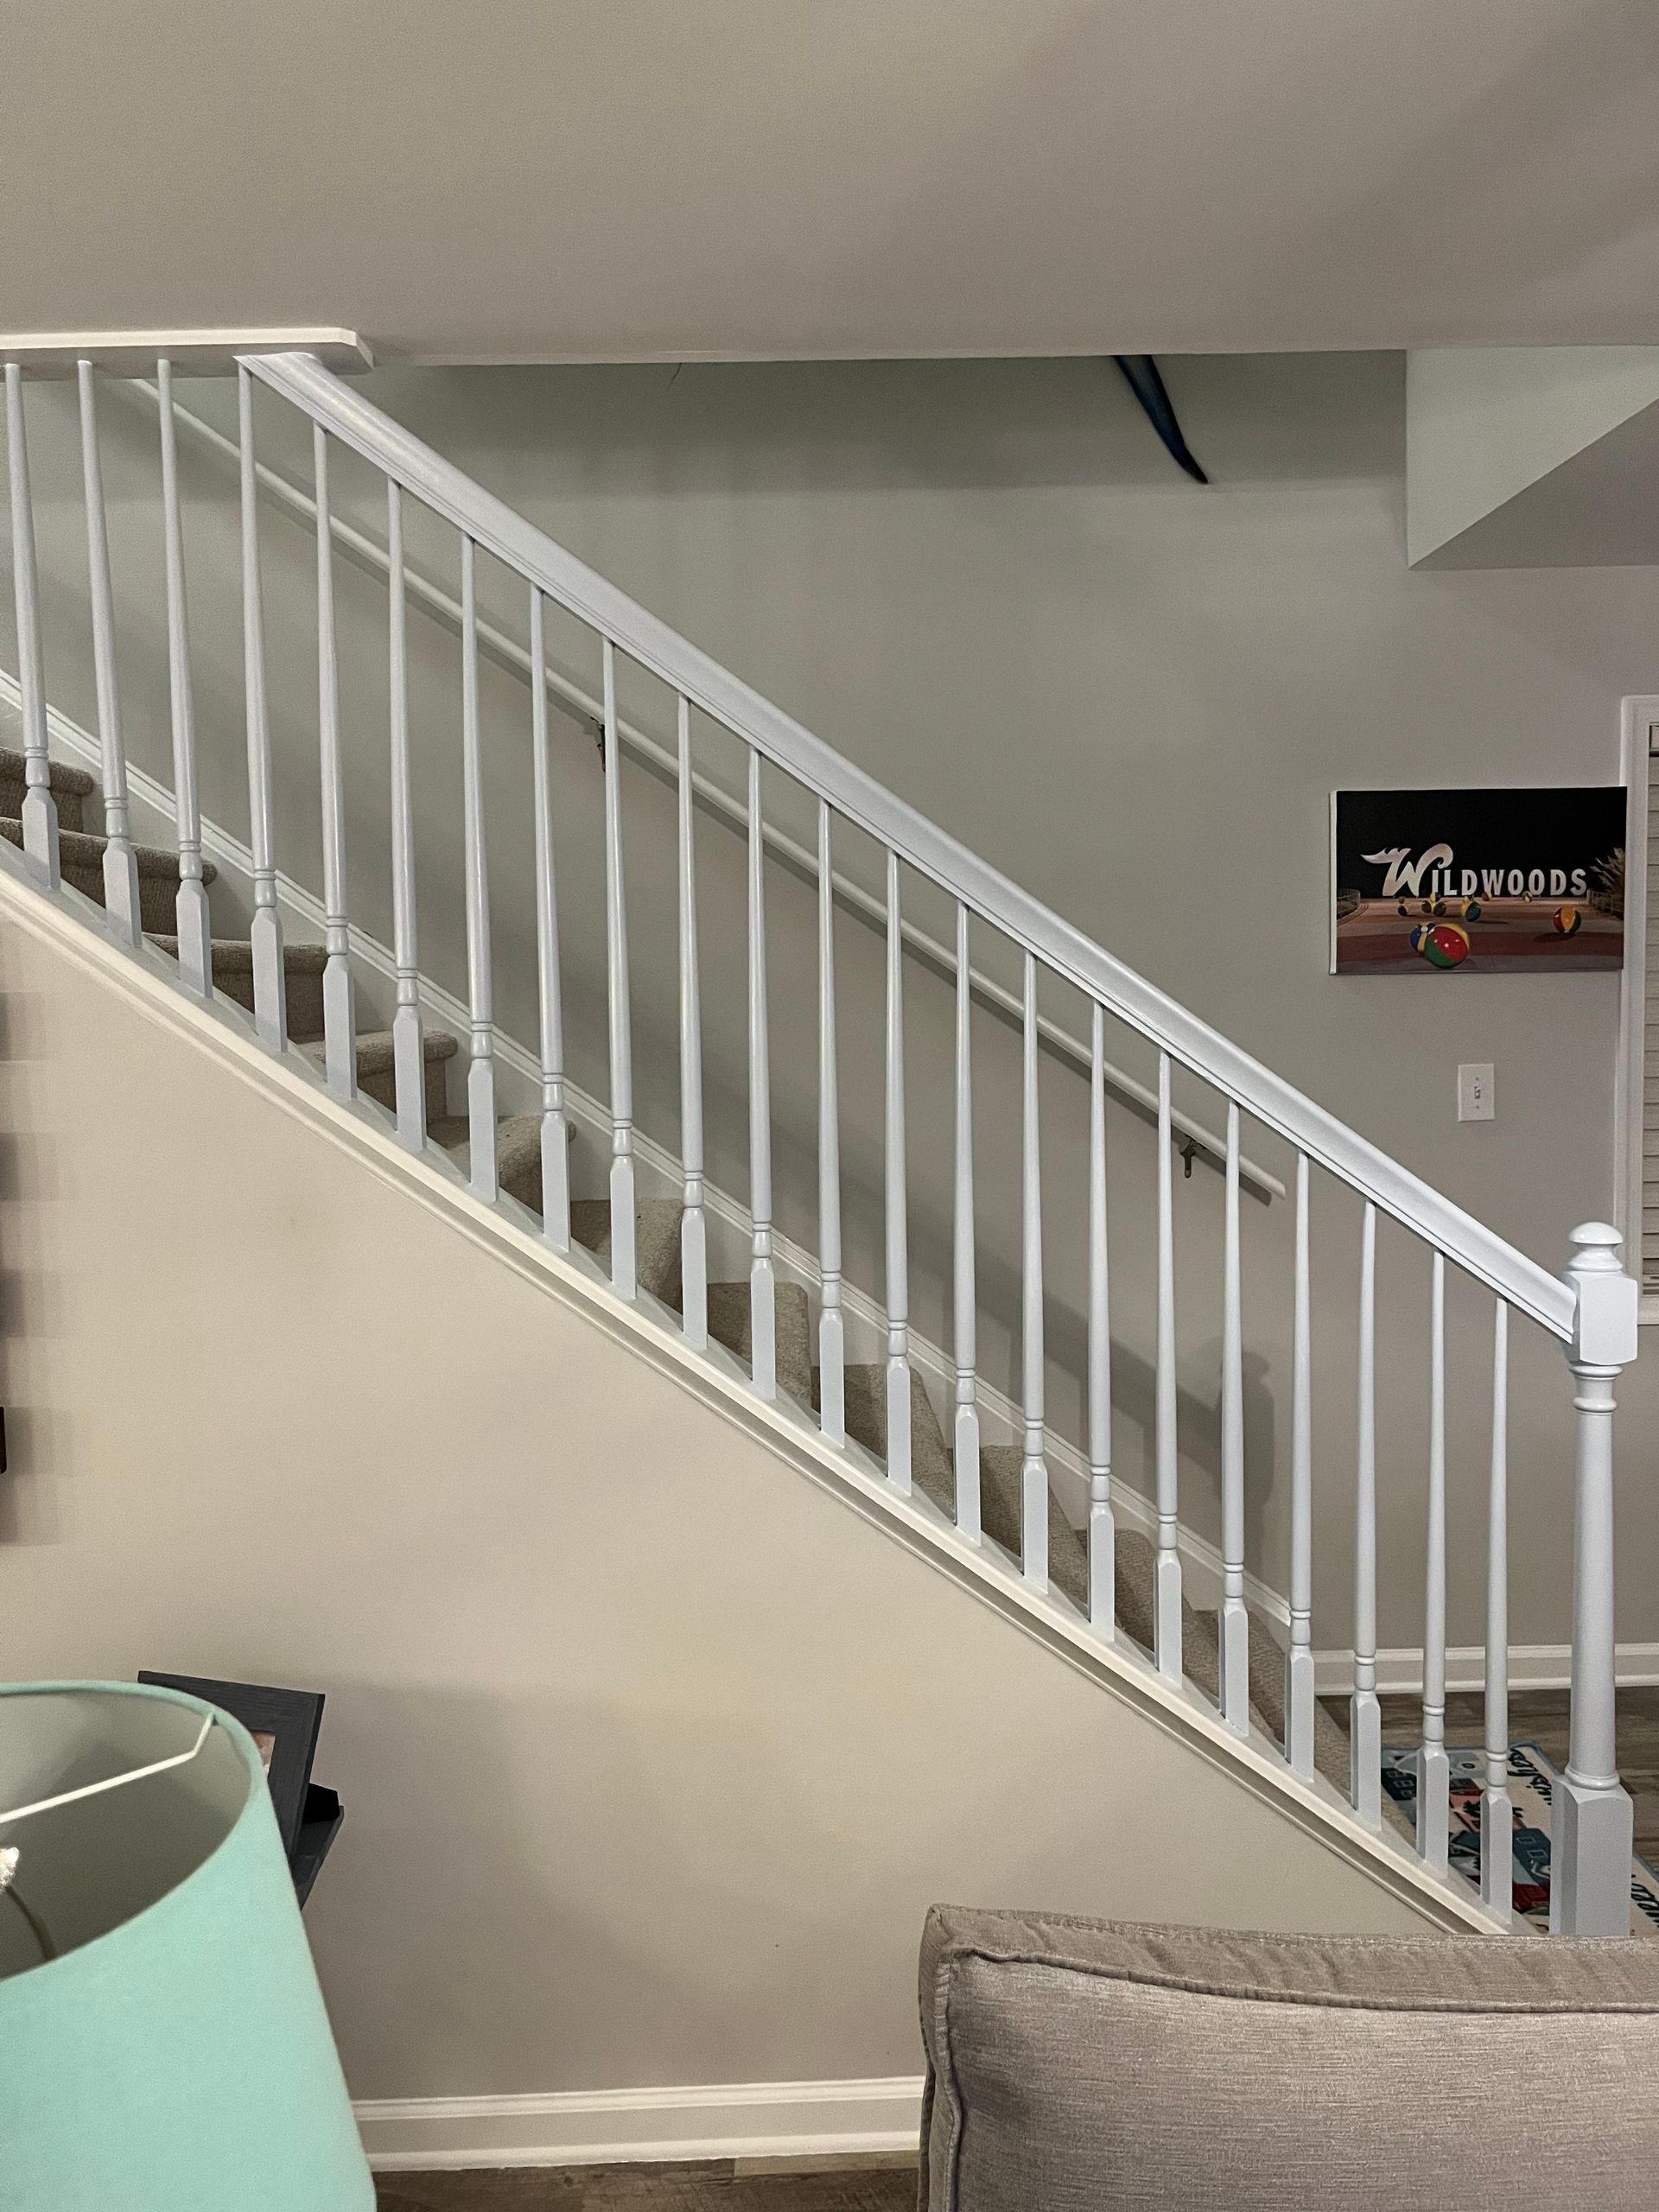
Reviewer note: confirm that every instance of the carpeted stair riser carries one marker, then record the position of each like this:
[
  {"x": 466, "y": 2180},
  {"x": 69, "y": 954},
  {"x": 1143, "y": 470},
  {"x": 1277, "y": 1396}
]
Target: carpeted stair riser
[
  {"x": 729, "y": 1325},
  {"x": 71, "y": 789},
  {"x": 377, "y": 1076},
  {"x": 656, "y": 1239}
]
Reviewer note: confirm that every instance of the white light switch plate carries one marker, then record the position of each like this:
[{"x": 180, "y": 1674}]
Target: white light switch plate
[{"x": 1476, "y": 1102}]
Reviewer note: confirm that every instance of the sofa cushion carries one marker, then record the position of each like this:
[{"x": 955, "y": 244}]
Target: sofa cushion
[{"x": 1087, "y": 2063}]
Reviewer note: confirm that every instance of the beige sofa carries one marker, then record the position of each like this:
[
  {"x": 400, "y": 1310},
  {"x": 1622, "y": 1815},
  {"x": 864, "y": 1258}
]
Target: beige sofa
[{"x": 1078, "y": 2063}]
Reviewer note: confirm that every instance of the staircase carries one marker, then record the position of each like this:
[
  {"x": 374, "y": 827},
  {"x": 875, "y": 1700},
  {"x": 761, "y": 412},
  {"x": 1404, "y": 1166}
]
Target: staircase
[
  {"x": 1103, "y": 1587},
  {"x": 657, "y": 1225}
]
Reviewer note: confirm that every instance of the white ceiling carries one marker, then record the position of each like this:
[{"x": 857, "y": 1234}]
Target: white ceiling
[{"x": 570, "y": 180}]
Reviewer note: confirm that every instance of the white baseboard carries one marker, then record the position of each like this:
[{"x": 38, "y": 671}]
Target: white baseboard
[
  {"x": 1532, "y": 1667},
  {"x": 583, "y": 2128}
]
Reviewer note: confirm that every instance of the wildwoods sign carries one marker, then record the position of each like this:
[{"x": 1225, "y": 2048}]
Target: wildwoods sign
[{"x": 1471, "y": 879}]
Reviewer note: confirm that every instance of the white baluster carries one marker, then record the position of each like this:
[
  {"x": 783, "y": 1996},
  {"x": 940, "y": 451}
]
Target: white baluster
[
  {"x": 1496, "y": 1813},
  {"x": 898, "y": 1222},
  {"x": 338, "y": 1015},
  {"x": 1298, "y": 1663},
  {"x": 1235, "y": 1622},
  {"x": 694, "y": 1227},
  {"x": 40, "y": 808},
  {"x": 1590, "y": 1886},
  {"x": 480, "y": 1071},
  {"x": 1433, "y": 1769},
  {"x": 121, "y": 896},
  {"x": 1034, "y": 1466},
  {"x": 965, "y": 1295},
  {"x": 556, "y": 1132},
  {"x": 195, "y": 927},
  {"x": 266, "y": 928},
  {"x": 763, "y": 1293},
  {"x": 1365, "y": 1715},
  {"x": 832, "y": 1339},
  {"x": 624, "y": 1265},
  {"x": 408, "y": 1045},
  {"x": 1166, "y": 1589},
  {"x": 1103, "y": 1527}
]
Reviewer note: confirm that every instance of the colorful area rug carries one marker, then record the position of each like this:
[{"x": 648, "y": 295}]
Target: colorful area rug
[{"x": 1532, "y": 1782}]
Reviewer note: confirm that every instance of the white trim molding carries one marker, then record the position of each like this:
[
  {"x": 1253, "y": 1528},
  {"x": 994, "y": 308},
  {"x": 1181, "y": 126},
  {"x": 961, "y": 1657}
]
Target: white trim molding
[
  {"x": 1532, "y": 1667},
  {"x": 191, "y": 353},
  {"x": 590, "y": 2127},
  {"x": 1639, "y": 716}
]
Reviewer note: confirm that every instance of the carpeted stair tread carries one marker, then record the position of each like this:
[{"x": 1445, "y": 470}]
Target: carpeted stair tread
[
  {"x": 65, "y": 776},
  {"x": 233, "y": 956},
  {"x": 374, "y": 1050},
  {"x": 80, "y": 856},
  {"x": 81, "y": 849},
  {"x": 377, "y": 1073},
  {"x": 71, "y": 789}
]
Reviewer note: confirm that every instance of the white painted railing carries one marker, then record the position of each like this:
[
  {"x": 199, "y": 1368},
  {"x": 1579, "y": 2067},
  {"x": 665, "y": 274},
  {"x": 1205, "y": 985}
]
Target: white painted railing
[{"x": 1591, "y": 1309}]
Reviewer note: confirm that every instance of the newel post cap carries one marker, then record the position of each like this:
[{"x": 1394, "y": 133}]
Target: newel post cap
[{"x": 1605, "y": 1325}]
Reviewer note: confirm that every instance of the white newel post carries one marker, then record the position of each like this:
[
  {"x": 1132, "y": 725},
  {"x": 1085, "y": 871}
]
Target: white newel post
[{"x": 1590, "y": 1889}]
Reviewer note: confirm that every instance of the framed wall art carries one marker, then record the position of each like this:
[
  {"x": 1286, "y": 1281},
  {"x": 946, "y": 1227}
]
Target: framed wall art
[{"x": 1460, "y": 882}]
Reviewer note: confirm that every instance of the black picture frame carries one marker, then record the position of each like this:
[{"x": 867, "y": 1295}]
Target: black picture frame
[{"x": 289, "y": 1720}]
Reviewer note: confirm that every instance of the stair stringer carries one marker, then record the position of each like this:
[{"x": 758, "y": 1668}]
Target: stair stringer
[
  {"x": 76, "y": 928},
  {"x": 519, "y": 1079}
]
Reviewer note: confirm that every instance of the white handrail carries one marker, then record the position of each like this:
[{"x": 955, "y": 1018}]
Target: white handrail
[
  {"x": 922, "y": 845},
  {"x": 496, "y": 645}
]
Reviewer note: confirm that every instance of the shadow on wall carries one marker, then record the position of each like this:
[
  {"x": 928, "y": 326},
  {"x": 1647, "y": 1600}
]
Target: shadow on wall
[{"x": 847, "y": 426}]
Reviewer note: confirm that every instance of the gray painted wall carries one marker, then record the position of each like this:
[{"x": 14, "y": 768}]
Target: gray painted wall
[{"x": 984, "y": 581}]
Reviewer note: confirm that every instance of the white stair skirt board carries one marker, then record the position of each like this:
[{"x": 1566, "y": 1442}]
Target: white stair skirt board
[
  {"x": 584, "y": 2127},
  {"x": 519, "y": 1076},
  {"x": 1532, "y": 1667}
]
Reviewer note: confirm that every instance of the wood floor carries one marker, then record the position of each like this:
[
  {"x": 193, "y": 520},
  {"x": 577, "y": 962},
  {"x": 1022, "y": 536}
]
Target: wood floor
[
  {"x": 1536, "y": 1717},
  {"x": 708, "y": 2187}
]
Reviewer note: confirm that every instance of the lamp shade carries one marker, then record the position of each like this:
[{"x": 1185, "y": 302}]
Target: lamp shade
[{"x": 164, "y": 2045}]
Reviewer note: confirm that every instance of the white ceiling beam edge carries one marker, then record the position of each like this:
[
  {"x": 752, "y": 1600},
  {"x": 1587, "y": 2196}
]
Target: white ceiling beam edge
[{"x": 193, "y": 352}]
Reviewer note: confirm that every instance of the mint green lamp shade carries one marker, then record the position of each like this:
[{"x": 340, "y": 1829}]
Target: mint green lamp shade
[{"x": 164, "y": 2045}]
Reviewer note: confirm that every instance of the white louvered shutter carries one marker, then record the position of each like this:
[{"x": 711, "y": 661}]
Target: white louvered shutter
[{"x": 1650, "y": 1035}]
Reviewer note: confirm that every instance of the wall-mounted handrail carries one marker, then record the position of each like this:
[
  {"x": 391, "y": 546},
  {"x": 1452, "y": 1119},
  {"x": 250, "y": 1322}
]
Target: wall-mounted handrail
[
  {"x": 923, "y": 845},
  {"x": 1196, "y": 1139}
]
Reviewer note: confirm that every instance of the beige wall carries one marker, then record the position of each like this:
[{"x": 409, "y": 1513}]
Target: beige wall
[
  {"x": 653, "y": 1752},
  {"x": 985, "y": 582}
]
